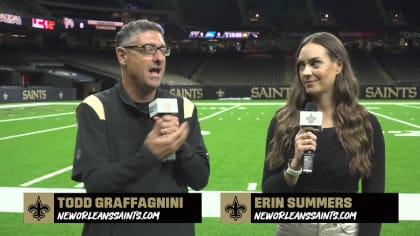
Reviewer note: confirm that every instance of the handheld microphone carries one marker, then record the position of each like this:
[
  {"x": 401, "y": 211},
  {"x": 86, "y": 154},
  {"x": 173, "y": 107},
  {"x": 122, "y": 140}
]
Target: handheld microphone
[
  {"x": 310, "y": 117},
  {"x": 160, "y": 107}
]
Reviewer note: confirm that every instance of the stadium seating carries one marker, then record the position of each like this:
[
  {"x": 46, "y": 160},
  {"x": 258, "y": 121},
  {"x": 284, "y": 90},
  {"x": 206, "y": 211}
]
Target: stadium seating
[
  {"x": 366, "y": 68},
  {"x": 240, "y": 69},
  {"x": 402, "y": 66}
]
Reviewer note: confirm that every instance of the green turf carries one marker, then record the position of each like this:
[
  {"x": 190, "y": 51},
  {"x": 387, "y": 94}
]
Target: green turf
[{"x": 236, "y": 146}]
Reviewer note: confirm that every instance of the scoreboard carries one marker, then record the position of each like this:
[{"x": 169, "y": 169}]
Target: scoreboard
[{"x": 212, "y": 34}]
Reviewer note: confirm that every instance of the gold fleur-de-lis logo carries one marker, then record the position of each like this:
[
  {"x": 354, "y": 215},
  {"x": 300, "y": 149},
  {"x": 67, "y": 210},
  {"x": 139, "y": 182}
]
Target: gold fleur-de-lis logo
[
  {"x": 311, "y": 119},
  {"x": 38, "y": 209},
  {"x": 235, "y": 209},
  {"x": 220, "y": 93},
  {"x": 168, "y": 106}
]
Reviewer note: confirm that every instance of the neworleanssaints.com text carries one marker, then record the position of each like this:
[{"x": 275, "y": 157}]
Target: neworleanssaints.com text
[
  {"x": 295, "y": 215},
  {"x": 109, "y": 216}
]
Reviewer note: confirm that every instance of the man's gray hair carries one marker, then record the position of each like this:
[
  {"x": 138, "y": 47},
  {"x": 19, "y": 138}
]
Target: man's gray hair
[{"x": 129, "y": 31}]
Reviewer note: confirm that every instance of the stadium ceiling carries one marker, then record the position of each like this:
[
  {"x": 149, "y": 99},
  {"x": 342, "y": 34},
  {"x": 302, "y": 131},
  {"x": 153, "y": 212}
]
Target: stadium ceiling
[{"x": 238, "y": 13}]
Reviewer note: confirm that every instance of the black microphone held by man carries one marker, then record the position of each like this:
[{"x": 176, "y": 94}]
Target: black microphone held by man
[{"x": 310, "y": 118}]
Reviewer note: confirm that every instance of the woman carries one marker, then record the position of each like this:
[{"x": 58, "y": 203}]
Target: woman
[{"x": 349, "y": 148}]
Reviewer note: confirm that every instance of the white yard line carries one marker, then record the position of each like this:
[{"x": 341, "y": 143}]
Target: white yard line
[
  {"x": 79, "y": 185},
  {"x": 37, "y": 104},
  {"x": 37, "y": 117},
  {"x": 239, "y": 103},
  {"x": 406, "y": 105},
  {"x": 252, "y": 187},
  {"x": 396, "y": 120},
  {"x": 24, "y": 105},
  {"x": 47, "y": 176},
  {"x": 219, "y": 112},
  {"x": 37, "y": 132}
]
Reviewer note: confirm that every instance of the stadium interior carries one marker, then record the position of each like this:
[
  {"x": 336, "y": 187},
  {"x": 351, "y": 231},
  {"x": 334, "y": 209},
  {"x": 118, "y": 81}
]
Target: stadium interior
[
  {"x": 51, "y": 47},
  {"x": 46, "y": 43}
]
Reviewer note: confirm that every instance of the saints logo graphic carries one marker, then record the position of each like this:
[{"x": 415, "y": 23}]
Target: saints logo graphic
[
  {"x": 38, "y": 209},
  {"x": 235, "y": 209},
  {"x": 311, "y": 119},
  {"x": 167, "y": 106}
]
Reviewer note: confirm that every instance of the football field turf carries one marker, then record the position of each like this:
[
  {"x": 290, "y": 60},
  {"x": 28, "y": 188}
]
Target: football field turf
[{"x": 37, "y": 144}]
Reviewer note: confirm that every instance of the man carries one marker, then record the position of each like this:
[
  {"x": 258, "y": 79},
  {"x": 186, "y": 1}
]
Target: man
[{"x": 120, "y": 149}]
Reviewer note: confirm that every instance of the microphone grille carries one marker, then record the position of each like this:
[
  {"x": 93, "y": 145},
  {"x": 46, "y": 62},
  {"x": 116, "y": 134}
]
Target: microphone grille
[{"x": 311, "y": 106}]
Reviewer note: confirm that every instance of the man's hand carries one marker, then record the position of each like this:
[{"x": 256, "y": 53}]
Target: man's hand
[{"x": 167, "y": 136}]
